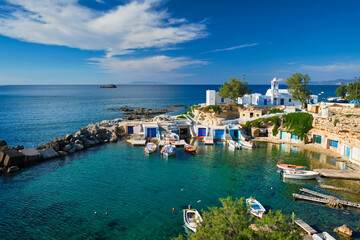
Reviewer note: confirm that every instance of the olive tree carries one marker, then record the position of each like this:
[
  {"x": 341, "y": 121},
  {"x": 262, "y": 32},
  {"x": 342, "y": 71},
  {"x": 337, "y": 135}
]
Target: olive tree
[
  {"x": 298, "y": 87},
  {"x": 234, "y": 89}
]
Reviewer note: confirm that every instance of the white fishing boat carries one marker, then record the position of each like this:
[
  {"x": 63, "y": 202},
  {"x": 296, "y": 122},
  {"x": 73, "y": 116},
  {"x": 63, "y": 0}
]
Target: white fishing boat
[
  {"x": 192, "y": 218},
  {"x": 168, "y": 150},
  {"x": 234, "y": 145},
  {"x": 246, "y": 144},
  {"x": 296, "y": 174},
  {"x": 150, "y": 148},
  {"x": 322, "y": 236},
  {"x": 290, "y": 166},
  {"x": 255, "y": 207}
]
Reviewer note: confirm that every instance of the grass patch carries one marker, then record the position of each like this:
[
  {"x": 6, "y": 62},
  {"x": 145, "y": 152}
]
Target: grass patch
[
  {"x": 191, "y": 115},
  {"x": 215, "y": 108},
  {"x": 336, "y": 121},
  {"x": 256, "y": 123},
  {"x": 181, "y": 117},
  {"x": 193, "y": 107},
  {"x": 351, "y": 115}
]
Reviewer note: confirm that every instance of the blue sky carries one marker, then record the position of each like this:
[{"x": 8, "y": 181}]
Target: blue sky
[{"x": 176, "y": 41}]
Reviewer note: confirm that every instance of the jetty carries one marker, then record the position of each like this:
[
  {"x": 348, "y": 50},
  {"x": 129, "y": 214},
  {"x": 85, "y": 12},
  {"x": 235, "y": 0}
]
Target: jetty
[
  {"x": 342, "y": 174},
  {"x": 306, "y": 227},
  {"x": 178, "y": 143},
  {"x": 325, "y": 199},
  {"x": 208, "y": 140},
  {"x": 340, "y": 189}
]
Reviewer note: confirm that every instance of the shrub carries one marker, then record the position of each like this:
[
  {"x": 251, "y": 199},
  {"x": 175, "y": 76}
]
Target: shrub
[
  {"x": 336, "y": 121},
  {"x": 275, "y": 110},
  {"x": 215, "y": 108},
  {"x": 191, "y": 115},
  {"x": 181, "y": 117},
  {"x": 256, "y": 123},
  {"x": 194, "y": 107},
  {"x": 298, "y": 124}
]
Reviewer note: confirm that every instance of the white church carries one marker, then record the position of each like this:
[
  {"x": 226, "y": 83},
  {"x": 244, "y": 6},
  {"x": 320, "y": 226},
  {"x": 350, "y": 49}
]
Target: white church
[{"x": 273, "y": 96}]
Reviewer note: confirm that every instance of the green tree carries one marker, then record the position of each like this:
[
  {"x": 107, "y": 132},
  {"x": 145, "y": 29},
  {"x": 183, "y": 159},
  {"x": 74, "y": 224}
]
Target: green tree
[
  {"x": 234, "y": 89},
  {"x": 298, "y": 87},
  {"x": 233, "y": 220},
  {"x": 341, "y": 91},
  {"x": 351, "y": 91}
]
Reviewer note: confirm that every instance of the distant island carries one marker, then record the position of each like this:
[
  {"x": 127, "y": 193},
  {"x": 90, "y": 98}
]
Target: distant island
[{"x": 108, "y": 86}]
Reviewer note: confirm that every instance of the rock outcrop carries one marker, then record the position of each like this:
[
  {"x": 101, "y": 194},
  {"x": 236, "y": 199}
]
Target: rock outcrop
[
  {"x": 12, "y": 158},
  {"x": 108, "y": 86},
  {"x": 345, "y": 230}
]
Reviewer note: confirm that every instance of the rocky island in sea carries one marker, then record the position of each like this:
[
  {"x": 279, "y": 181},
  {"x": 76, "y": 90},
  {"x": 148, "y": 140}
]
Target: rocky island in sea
[{"x": 109, "y": 86}]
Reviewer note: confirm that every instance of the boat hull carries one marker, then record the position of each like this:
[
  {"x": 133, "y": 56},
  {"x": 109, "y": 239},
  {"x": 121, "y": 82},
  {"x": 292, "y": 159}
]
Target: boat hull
[
  {"x": 305, "y": 175},
  {"x": 192, "y": 222},
  {"x": 255, "y": 207},
  {"x": 290, "y": 166}
]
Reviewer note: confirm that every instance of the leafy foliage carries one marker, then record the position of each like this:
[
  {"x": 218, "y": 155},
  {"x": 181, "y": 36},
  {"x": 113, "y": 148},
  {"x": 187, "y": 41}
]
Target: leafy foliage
[
  {"x": 215, "y": 108},
  {"x": 275, "y": 110},
  {"x": 336, "y": 121},
  {"x": 351, "y": 91},
  {"x": 341, "y": 91},
  {"x": 298, "y": 124},
  {"x": 191, "y": 115},
  {"x": 232, "y": 221},
  {"x": 193, "y": 107},
  {"x": 298, "y": 87},
  {"x": 256, "y": 123},
  {"x": 181, "y": 117},
  {"x": 234, "y": 89}
]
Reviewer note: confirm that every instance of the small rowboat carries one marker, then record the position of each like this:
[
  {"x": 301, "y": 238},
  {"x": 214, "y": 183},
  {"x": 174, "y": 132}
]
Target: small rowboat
[
  {"x": 255, "y": 207},
  {"x": 192, "y": 218},
  {"x": 296, "y": 174},
  {"x": 190, "y": 148},
  {"x": 168, "y": 150},
  {"x": 290, "y": 166},
  {"x": 150, "y": 148},
  {"x": 234, "y": 145},
  {"x": 246, "y": 144},
  {"x": 322, "y": 236}
]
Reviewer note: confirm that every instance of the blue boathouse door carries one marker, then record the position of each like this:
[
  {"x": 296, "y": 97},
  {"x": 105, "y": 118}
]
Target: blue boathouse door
[
  {"x": 130, "y": 129},
  {"x": 219, "y": 134},
  {"x": 202, "y": 132},
  {"x": 151, "y": 132}
]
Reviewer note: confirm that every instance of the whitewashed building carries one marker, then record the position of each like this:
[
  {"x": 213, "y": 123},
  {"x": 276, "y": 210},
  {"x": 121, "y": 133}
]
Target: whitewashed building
[
  {"x": 273, "y": 96},
  {"x": 213, "y": 98}
]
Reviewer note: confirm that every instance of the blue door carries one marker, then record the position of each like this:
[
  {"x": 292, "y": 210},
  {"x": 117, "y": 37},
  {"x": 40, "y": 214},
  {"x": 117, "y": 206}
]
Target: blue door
[
  {"x": 176, "y": 131},
  {"x": 202, "y": 132},
  {"x": 265, "y": 101},
  {"x": 151, "y": 132},
  {"x": 283, "y": 135},
  {"x": 334, "y": 143},
  {"x": 130, "y": 129},
  {"x": 348, "y": 151},
  {"x": 219, "y": 134},
  {"x": 293, "y": 136}
]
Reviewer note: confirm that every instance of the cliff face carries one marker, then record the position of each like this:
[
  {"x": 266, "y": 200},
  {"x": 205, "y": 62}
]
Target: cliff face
[{"x": 344, "y": 123}]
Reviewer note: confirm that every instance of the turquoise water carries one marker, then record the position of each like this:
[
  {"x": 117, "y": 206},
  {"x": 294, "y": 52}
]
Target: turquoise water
[{"x": 57, "y": 199}]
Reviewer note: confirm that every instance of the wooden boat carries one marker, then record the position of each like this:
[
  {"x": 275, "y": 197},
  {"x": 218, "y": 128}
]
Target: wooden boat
[
  {"x": 190, "y": 148},
  {"x": 192, "y": 218},
  {"x": 234, "y": 145},
  {"x": 168, "y": 150},
  {"x": 290, "y": 166},
  {"x": 150, "y": 147},
  {"x": 246, "y": 144},
  {"x": 322, "y": 236},
  {"x": 297, "y": 174},
  {"x": 255, "y": 207}
]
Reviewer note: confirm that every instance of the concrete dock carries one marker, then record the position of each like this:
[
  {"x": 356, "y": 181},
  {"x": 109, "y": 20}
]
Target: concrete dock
[
  {"x": 335, "y": 173},
  {"x": 137, "y": 142},
  {"x": 178, "y": 143}
]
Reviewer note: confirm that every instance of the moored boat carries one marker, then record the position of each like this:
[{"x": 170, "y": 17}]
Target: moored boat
[
  {"x": 255, "y": 207},
  {"x": 192, "y": 218},
  {"x": 150, "y": 147},
  {"x": 322, "y": 236},
  {"x": 297, "y": 174},
  {"x": 290, "y": 166},
  {"x": 168, "y": 150},
  {"x": 190, "y": 148},
  {"x": 234, "y": 145},
  {"x": 246, "y": 144}
]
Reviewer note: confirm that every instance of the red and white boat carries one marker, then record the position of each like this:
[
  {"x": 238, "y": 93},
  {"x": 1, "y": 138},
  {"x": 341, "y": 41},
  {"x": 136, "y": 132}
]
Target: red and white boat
[
  {"x": 290, "y": 166},
  {"x": 150, "y": 148},
  {"x": 190, "y": 148}
]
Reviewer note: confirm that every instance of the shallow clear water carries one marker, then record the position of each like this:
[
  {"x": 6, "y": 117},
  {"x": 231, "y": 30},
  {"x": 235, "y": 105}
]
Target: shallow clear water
[{"x": 57, "y": 199}]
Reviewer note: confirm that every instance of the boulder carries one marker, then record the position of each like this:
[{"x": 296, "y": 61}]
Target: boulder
[
  {"x": 2, "y": 143},
  {"x": 3, "y": 169},
  {"x": 66, "y": 148},
  {"x": 62, "y": 153},
  {"x": 41, "y": 147},
  {"x": 48, "y": 153},
  {"x": 2, "y": 156},
  {"x": 53, "y": 144},
  {"x": 78, "y": 147},
  {"x": 31, "y": 155},
  {"x": 68, "y": 137},
  {"x": 13, "y": 169},
  {"x": 78, "y": 142},
  {"x": 19, "y": 147},
  {"x": 13, "y": 158},
  {"x": 72, "y": 150},
  {"x": 7, "y": 148},
  {"x": 345, "y": 230}
]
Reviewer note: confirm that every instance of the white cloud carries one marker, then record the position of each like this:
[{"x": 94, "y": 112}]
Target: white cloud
[
  {"x": 135, "y": 25},
  {"x": 159, "y": 67},
  {"x": 335, "y": 67},
  {"x": 233, "y": 48}
]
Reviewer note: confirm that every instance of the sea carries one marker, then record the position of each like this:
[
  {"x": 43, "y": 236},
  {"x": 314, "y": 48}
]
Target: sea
[{"x": 115, "y": 191}]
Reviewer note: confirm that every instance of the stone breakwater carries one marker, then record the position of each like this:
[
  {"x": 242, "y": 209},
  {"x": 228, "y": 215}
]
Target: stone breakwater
[{"x": 14, "y": 158}]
